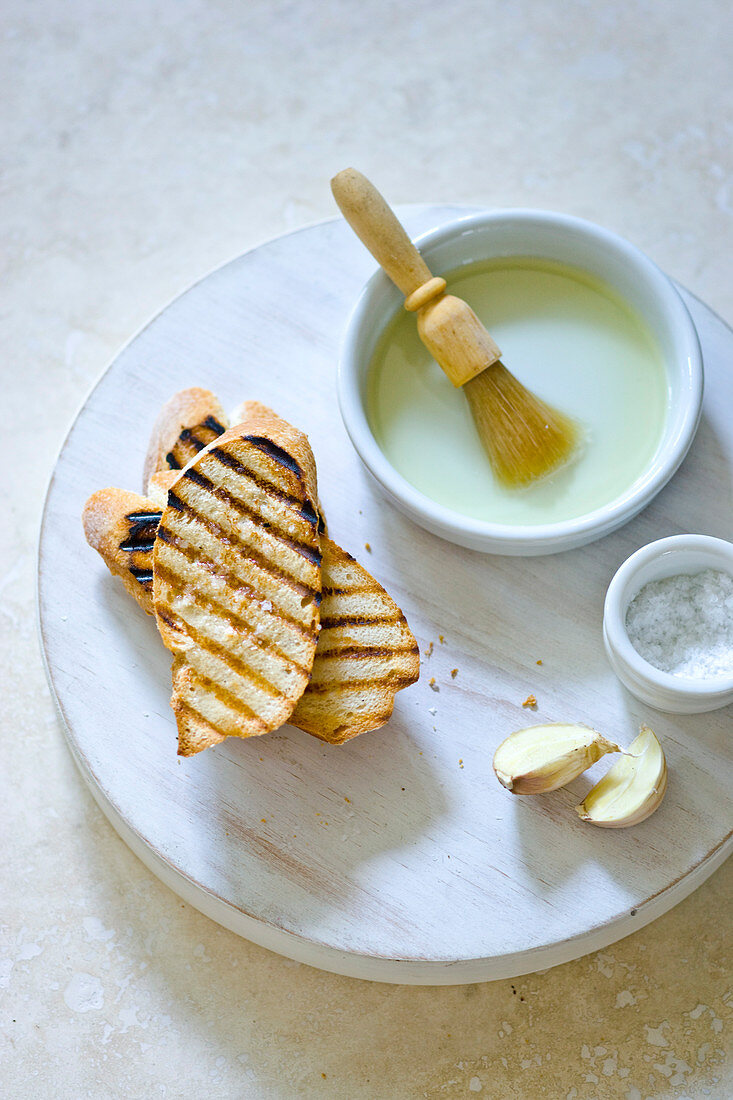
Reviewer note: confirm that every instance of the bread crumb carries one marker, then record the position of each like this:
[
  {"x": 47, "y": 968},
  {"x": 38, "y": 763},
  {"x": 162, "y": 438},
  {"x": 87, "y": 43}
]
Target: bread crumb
[
  {"x": 539, "y": 662},
  {"x": 263, "y": 820},
  {"x": 530, "y": 701},
  {"x": 346, "y": 799},
  {"x": 441, "y": 639},
  {"x": 432, "y": 684},
  {"x": 432, "y": 710},
  {"x": 367, "y": 547},
  {"x": 429, "y": 650},
  {"x": 453, "y": 673}
]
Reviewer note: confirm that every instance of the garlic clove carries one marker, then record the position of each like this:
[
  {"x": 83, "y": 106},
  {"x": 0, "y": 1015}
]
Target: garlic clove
[
  {"x": 542, "y": 758},
  {"x": 632, "y": 789}
]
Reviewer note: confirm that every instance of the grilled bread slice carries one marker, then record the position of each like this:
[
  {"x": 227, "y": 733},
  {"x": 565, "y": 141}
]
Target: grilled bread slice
[
  {"x": 186, "y": 424},
  {"x": 366, "y": 653},
  {"x": 121, "y": 526},
  {"x": 237, "y": 584}
]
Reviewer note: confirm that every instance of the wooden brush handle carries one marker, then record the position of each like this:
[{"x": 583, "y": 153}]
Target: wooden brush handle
[
  {"x": 447, "y": 325},
  {"x": 377, "y": 227}
]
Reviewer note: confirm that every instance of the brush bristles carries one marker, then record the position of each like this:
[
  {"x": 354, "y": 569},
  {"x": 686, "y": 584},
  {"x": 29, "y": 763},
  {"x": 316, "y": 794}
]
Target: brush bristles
[{"x": 524, "y": 438}]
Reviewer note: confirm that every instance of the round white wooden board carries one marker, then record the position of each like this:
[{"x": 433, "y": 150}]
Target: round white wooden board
[{"x": 397, "y": 857}]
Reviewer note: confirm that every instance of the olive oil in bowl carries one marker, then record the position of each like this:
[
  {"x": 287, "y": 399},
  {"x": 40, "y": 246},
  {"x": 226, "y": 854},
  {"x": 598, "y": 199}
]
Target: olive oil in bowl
[{"x": 571, "y": 340}]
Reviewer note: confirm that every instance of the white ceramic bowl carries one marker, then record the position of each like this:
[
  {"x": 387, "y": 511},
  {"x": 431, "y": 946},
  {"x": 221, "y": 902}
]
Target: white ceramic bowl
[
  {"x": 579, "y": 244},
  {"x": 666, "y": 558}
]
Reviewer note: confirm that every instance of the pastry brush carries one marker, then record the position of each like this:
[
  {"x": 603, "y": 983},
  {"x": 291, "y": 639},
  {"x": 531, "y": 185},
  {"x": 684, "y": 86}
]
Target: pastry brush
[{"x": 524, "y": 438}]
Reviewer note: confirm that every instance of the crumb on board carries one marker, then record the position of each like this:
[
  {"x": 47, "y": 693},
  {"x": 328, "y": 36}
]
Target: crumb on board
[
  {"x": 368, "y": 547},
  {"x": 429, "y": 650},
  {"x": 538, "y": 662},
  {"x": 432, "y": 684},
  {"x": 453, "y": 673},
  {"x": 441, "y": 639},
  {"x": 530, "y": 701}
]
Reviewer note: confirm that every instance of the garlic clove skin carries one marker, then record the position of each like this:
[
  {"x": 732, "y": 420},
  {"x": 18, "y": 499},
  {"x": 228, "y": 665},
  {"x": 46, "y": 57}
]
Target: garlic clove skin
[
  {"x": 542, "y": 758},
  {"x": 632, "y": 789}
]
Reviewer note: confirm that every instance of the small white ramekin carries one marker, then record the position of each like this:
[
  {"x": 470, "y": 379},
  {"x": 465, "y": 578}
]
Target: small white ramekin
[
  {"x": 668, "y": 557},
  {"x": 579, "y": 244}
]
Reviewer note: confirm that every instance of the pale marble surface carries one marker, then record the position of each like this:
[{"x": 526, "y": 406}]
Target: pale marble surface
[{"x": 143, "y": 145}]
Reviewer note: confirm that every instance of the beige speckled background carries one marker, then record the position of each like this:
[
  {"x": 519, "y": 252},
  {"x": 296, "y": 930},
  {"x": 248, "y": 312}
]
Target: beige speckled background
[{"x": 144, "y": 143}]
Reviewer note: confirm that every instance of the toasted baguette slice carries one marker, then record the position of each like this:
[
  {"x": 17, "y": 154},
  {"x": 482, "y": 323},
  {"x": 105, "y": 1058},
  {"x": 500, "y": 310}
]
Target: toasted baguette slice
[
  {"x": 358, "y": 666},
  {"x": 121, "y": 526},
  {"x": 353, "y": 683},
  {"x": 366, "y": 653},
  {"x": 237, "y": 584},
  {"x": 185, "y": 425}
]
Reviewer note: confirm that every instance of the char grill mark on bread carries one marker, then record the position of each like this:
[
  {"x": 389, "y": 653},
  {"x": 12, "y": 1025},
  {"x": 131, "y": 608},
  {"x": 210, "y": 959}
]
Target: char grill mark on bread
[
  {"x": 141, "y": 536},
  {"x": 139, "y": 545},
  {"x": 237, "y": 587}
]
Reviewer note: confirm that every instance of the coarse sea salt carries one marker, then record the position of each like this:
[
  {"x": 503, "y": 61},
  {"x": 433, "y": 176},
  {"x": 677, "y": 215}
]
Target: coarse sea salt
[{"x": 684, "y": 624}]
